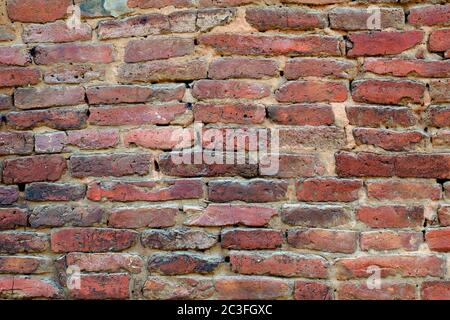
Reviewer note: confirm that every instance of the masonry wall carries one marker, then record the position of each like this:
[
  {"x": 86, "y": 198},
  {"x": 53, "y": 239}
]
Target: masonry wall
[{"x": 92, "y": 205}]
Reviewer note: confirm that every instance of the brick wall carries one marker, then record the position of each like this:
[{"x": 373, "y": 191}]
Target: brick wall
[{"x": 94, "y": 206}]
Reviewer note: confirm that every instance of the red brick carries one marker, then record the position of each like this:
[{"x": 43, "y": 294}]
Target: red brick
[
  {"x": 139, "y": 115},
  {"x": 154, "y": 49},
  {"x": 440, "y": 90},
  {"x": 34, "y": 168},
  {"x": 35, "y": 98},
  {"x": 301, "y": 114},
  {"x": 105, "y": 262},
  {"x": 116, "y": 165},
  {"x": 145, "y": 190},
  {"x": 374, "y": 116},
  {"x": 323, "y": 240},
  {"x": 439, "y": 40},
  {"x": 224, "y": 3},
  {"x": 392, "y": 265},
  {"x": 14, "y": 56},
  {"x": 301, "y": 165},
  {"x": 358, "y": 19},
  {"x": 74, "y": 53},
  {"x": 11, "y": 218},
  {"x": 441, "y": 139},
  {"x": 8, "y": 195},
  {"x": 229, "y": 113},
  {"x": 92, "y": 240},
  {"x": 52, "y": 142},
  {"x": 168, "y": 288},
  {"x": 13, "y": 142},
  {"x": 20, "y": 287},
  {"x": 5, "y": 102},
  {"x": 55, "y": 32},
  {"x": 310, "y": 138},
  {"x": 23, "y": 242},
  {"x": 272, "y": 45},
  {"x": 270, "y": 18},
  {"x": 145, "y": 4},
  {"x": 319, "y": 67},
  {"x": 390, "y": 140},
  {"x": 390, "y": 240},
  {"x": 438, "y": 116},
  {"x": 309, "y": 290},
  {"x": 314, "y": 216},
  {"x": 444, "y": 216},
  {"x": 135, "y": 26},
  {"x": 312, "y": 91},
  {"x": 118, "y": 94},
  {"x": 229, "y": 89},
  {"x": 65, "y": 215},
  {"x": 163, "y": 71},
  {"x": 278, "y": 264},
  {"x": 37, "y": 10},
  {"x": 102, "y": 286},
  {"x": 408, "y": 67},
  {"x": 74, "y": 74},
  {"x": 182, "y": 263},
  {"x": 423, "y": 166},
  {"x": 400, "y": 189},
  {"x": 227, "y": 214},
  {"x": 169, "y": 164},
  {"x": 388, "y": 291},
  {"x": 14, "y": 76},
  {"x": 364, "y": 164},
  {"x": 24, "y": 265},
  {"x": 435, "y": 290},
  {"x": 148, "y": 217},
  {"x": 168, "y": 91},
  {"x": 92, "y": 139},
  {"x": 328, "y": 189},
  {"x": 251, "y": 239},
  {"x": 429, "y": 15},
  {"x": 391, "y": 216},
  {"x": 226, "y": 68},
  {"x": 388, "y": 91},
  {"x": 382, "y": 42},
  {"x": 178, "y": 239},
  {"x": 43, "y": 191},
  {"x": 7, "y": 33},
  {"x": 248, "y": 191},
  {"x": 165, "y": 138},
  {"x": 254, "y": 288},
  {"x": 200, "y": 20},
  {"x": 438, "y": 239}
]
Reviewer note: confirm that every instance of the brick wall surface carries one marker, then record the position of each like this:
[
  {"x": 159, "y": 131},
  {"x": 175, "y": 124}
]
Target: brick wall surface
[{"x": 93, "y": 206}]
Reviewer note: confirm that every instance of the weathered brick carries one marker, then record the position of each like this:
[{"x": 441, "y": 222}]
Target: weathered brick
[
  {"x": 272, "y": 45},
  {"x": 359, "y": 19},
  {"x": 374, "y": 116},
  {"x": 92, "y": 240},
  {"x": 319, "y": 67},
  {"x": 251, "y": 239},
  {"x": 439, "y": 40},
  {"x": 118, "y": 94},
  {"x": 24, "y": 264},
  {"x": 227, "y": 68},
  {"x": 102, "y": 286},
  {"x": 126, "y": 191},
  {"x": 387, "y": 291},
  {"x": 105, "y": 262},
  {"x": 182, "y": 263},
  {"x": 8, "y": 195},
  {"x": 382, "y": 42},
  {"x": 133, "y": 218},
  {"x": 248, "y": 191},
  {"x": 35, "y": 98},
  {"x": 391, "y": 216},
  {"x": 37, "y": 10},
  {"x": 271, "y": 18},
  {"x": 390, "y": 265},
  {"x": 429, "y": 15},
  {"x": 444, "y": 215},
  {"x": 310, "y": 138},
  {"x": 408, "y": 67},
  {"x": 16, "y": 76},
  {"x": 390, "y": 140},
  {"x": 43, "y": 191},
  {"x": 230, "y": 113},
  {"x": 229, "y": 89},
  {"x": 440, "y": 90},
  {"x": 178, "y": 239},
  {"x": 116, "y": 165},
  {"x": 323, "y": 240},
  {"x": 298, "y": 165},
  {"x": 301, "y": 114},
  {"x": 328, "y": 189},
  {"x": 399, "y": 189},
  {"x": 65, "y": 215},
  {"x": 73, "y": 53},
  {"x": 278, "y": 264},
  {"x": 309, "y": 290},
  {"x": 33, "y": 169},
  {"x": 315, "y": 216},
  {"x": 257, "y": 288},
  {"x": 13, "y": 142},
  {"x": 5, "y": 102},
  {"x": 14, "y": 56},
  {"x": 441, "y": 139},
  {"x": 74, "y": 74},
  {"x": 312, "y": 91},
  {"x": 168, "y": 288},
  {"x": 11, "y": 218},
  {"x": 438, "y": 239},
  {"x": 146, "y": 4},
  {"x": 55, "y": 32},
  {"x": 227, "y": 214},
  {"x": 435, "y": 290},
  {"x": 23, "y": 287},
  {"x": 23, "y": 242},
  {"x": 390, "y": 240},
  {"x": 154, "y": 49},
  {"x": 438, "y": 116},
  {"x": 7, "y": 33}
]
